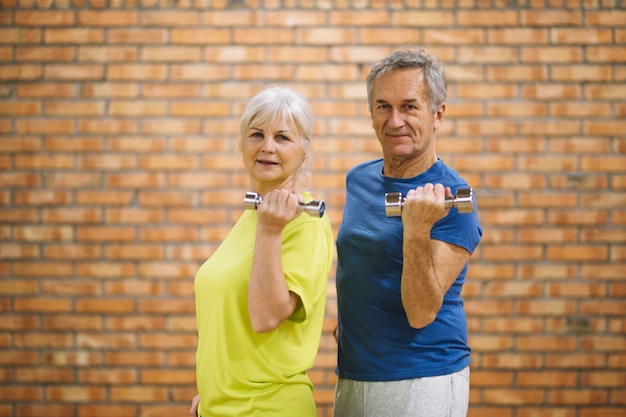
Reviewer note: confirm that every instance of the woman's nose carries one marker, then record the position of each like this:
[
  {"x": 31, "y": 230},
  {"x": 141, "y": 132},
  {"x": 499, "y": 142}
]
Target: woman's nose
[{"x": 268, "y": 144}]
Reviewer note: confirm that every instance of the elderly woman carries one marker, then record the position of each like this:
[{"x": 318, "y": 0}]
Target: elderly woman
[{"x": 260, "y": 297}]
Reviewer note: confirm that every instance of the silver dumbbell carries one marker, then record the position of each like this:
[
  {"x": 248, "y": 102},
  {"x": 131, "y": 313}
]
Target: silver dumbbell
[
  {"x": 313, "y": 207},
  {"x": 463, "y": 200}
]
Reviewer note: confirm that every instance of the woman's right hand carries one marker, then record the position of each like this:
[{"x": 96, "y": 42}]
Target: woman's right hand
[{"x": 193, "y": 411}]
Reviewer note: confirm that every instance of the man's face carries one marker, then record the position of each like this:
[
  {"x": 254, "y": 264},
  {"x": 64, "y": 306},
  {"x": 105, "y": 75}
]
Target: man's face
[{"x": 401, "y": 115}]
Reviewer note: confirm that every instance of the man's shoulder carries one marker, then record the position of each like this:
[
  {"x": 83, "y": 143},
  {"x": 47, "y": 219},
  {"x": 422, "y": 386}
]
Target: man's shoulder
[{"x": 371, "y": 165}]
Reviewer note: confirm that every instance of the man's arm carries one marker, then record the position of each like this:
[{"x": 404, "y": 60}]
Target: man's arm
[{"x": 430, "y": 266}]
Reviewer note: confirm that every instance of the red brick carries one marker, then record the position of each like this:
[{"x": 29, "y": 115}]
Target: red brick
[
  {"x": 18, "y": 251},
  {"x": 605, "y": 54},
  {"x": 66, "y": 322},
  {"x": 603, "y": 379},
  {"x": 75, "y": 393},
  {"x": 43, "y": 162},
  {"x": 85, "y": 340},
  {"x": 20, "y": 36},
  {"x": 22, "y": 321},
  {"x": 107, "y": 376},
  {"x": 134, "y": 252},
  {"x": 165, "y": 377},
  {"x": 166, "y": 341},
  {"x": 65, "y": 287},
  {"x": 42, "y": 340},
  {"x": 106, "y": 410},
  {"x": 73, "y": 36},
  {"x": 137, "y": 108},
  {"x": 167, "y": 198},
  {"x": 42, "y": 305},
  {"x": 19, "y": 358},
  {"x": 169, "y": 18},
  {"x": 45, "y": 18},
  {"x": 136, "y": 72},
  {"x": 73, "y": 72},
  {"x": 82, "y": 108},
  {"x": 170, "y": 126},
  {"x": 140, "y": 359},
  {"x": 107, "y": 18},
  {"x": 56, "y": 90},
  {"x": 134, "y": 323},
  {"x": 131, "y": 180},
  {"x": 200, "y": 36},
  {"x": 605, "y": 17},
  {"x": 20, "y": 72},
  {"x": 107, "y": 162},
  {"x": 134, "y": 288},
  {"x": 170, "y": 54},
  {"x": 114, "y": 198},
  {"x": 139, "y": 394},
  {"x": 137, "y": 36},
  {"x": 165, "y": 409},
  {"x": 578, "y": 396},
  {"x": 552, "y": 307},
  {"x": 491, "y": 18},
  {"x": 45, "y": 53},
  {"x": 182, "y": 323},
  {"x": 107, "y": 53},
  {"x": 203, "y": 72},
  {"x": 44, "y": 375},
  {"x": 599, "y": 411},
  {"x": 179, "y": 90},
  {"x": 110, "y": 126},
  {"x": 109, "y": 89}
]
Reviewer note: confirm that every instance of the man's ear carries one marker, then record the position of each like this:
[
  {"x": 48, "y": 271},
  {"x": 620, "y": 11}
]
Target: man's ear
[{"x": 439, "y": 115}]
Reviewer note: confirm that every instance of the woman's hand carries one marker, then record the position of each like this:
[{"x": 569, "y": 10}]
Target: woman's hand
[
  {"x": 193, "y": 411},
  {"x": 278, "y": 208}
]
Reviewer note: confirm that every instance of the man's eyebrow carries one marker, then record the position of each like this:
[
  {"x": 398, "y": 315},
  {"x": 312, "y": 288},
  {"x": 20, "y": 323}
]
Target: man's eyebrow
[{"x": 408, "y": 100}]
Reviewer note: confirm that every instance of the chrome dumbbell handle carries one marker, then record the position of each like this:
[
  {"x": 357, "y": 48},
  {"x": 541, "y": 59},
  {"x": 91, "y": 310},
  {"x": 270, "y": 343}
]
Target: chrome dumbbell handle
[
  {"x": 313, "y": 207},
  {"x": 463, "y": 200}
]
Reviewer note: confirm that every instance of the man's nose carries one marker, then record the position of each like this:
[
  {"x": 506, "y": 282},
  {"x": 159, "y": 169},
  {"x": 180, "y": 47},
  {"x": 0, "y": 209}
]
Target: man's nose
[{"x": 395, "y": 118}]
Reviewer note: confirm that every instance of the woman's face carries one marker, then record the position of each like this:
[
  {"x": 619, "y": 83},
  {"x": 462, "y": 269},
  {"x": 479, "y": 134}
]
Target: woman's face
[{"x": 272, "y": 153}]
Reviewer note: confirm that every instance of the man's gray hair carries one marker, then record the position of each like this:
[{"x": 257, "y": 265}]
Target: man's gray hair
[{"x": 411, "y": 58}]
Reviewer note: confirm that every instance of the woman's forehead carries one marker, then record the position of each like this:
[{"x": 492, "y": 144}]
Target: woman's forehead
[{"x": 278, "y": 123}]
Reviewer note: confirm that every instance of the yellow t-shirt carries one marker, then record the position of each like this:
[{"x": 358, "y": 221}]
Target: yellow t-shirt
[{"x": 243, "y": 373}]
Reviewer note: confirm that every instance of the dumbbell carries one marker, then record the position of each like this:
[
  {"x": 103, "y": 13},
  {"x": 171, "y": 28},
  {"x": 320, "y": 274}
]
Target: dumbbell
[
  {"x": 463, "y": 200},
  {"x": 313, "y": 207}
]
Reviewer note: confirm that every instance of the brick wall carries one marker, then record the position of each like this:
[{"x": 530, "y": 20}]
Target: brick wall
[{"x": 118, "y": 178}]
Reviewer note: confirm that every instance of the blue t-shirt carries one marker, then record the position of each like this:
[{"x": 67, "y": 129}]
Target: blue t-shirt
[{"x": 376, "y": 342}]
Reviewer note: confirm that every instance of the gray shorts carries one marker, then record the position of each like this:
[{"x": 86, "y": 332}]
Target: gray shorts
[{"x": 437, "y": 396}]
